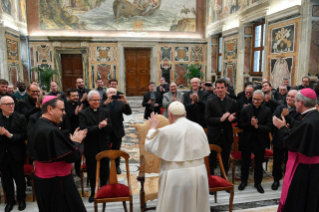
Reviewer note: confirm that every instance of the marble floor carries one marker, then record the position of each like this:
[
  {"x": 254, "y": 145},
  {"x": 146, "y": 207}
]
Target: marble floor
[{"x": 248, "y": 200}]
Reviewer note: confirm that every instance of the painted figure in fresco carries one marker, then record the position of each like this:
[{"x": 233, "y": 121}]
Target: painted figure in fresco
[
  {"x": 282, "y": 42},
  {"x": 280, "y": 71},
  {"x": 6, "y": 6}
]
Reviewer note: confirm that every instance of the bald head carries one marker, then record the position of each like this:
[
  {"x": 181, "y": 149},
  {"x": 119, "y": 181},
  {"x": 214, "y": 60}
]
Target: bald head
[
  {"x": 173, "y": 87},
  {"x": 291, "y": 97},
  {"x": 7, "y": 105},
  {"x": 54, "y": 87}
]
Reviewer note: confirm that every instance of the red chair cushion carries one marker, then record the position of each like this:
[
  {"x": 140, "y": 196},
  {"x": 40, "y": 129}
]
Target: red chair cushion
[
  {"x": 28, "y": 168},
  {"x": 83, "y": 166},
  {"x": 162, "y": 110},
  {"x": 237, "y": 155},
  {"x": 269, "y": 152},
  {"x": 216, "y": 181},
  {"x": 112, "y": 191}
]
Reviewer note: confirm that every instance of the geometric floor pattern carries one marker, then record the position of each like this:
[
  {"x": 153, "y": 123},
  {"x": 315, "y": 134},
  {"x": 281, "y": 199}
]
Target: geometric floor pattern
[{"x": 247, "y": 200}]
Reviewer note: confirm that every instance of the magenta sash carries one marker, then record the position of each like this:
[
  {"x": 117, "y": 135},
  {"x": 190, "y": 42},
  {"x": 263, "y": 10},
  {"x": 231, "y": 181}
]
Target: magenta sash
[
  {"x": 53, "y": 169},
  {"x": 294, "y": 158}
]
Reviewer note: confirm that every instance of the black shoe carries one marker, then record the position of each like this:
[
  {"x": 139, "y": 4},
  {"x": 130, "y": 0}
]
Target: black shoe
[
  {"x": 91, "y": 198},
  {"x": 242, "y": 186},
  {"x": 259, "y": 188},
  {"x": 212, "y": 193},
  {"x": 118, "y": 170},
  {"x": 9, "y": 206},
  {"x": 22, "y": 205},
  {"x": 275, "y": 185},
  {"x": 29, "y": 183}
]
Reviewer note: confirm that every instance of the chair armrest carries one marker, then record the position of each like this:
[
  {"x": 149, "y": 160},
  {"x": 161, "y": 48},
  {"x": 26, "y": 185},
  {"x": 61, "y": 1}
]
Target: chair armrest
[{"x": 141, "y": 174}]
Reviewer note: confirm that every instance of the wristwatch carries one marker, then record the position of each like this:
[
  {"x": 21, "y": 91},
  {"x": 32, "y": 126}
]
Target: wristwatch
[{"x": 11, "y": 135}]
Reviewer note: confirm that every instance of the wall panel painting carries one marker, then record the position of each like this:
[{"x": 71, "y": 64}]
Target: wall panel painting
[
  {"x": 166, "y": 72},
  {"x": 315, "y": 11},
  {"x": 197, "y": 54},
  {"x": 104, "y": 73},
  {"x": 180, "y": 71},
  {"x": 230, "y": 72},
  {"x": 314, "y": 50},
  {"x": 13, "y": 70},
  {"x": 7, "y": 6},
  {"x": 280, "y": 68},
  {"x": 22, "y": 11},
  {"x": 181, "y": 54},
  {"x": 283, "y": 39},
  {"x": 128, "y": 15},
  {"x": 12, "y": 49},
  {"x": 166, "y": 53},
  {"x": 230, "y": 49}
]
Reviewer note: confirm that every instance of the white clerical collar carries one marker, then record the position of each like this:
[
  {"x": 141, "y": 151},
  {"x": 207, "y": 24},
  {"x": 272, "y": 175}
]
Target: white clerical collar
[
  {"x": 309, "y": 110},
  {"x": 94, "y": 110},
  {"x": 6, "y": 116},
  {"x": 22, "y": 93}
]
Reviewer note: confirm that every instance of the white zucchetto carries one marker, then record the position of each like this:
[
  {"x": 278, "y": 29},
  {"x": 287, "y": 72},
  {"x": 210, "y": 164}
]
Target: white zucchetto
[{"x": 176, "y": 108}]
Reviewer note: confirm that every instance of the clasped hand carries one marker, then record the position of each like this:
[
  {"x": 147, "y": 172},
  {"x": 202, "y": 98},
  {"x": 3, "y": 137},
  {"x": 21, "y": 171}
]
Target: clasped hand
[
  {"x": 103, "y": 124},
  {"x": 78, "y": 135},
  {"x": 254, "y": 122}
]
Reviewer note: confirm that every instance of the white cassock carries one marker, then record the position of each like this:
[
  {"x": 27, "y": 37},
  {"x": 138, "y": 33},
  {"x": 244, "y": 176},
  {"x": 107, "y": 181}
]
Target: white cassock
[{"x": 183, "y": 183}]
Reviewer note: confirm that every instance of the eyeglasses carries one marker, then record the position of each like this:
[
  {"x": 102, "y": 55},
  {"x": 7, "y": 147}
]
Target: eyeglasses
[
  {"x": 34, "y": 91},
  {"x": 62, "y": 110},
  {"x": 95, "y": 100},
  {"x": 8, "y": 104},
  {"x": 254, "y": 99}
]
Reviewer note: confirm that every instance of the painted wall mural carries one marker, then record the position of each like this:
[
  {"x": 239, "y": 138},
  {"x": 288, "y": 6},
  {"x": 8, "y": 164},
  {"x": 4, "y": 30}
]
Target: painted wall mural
[
  {"x": 220, "y": 9},
  {"x": 230, "y": 49},
  {"x": 13, "y": 58},
  {"x": 22, "y": 11},
  {"x": 283, "y": 39},
  {"x": 280, "y": 68},
  {"x": 128, "y": 15},
  {"x": 175, "y": 58},
  {"x": 7, "y": 6},
  {"x": 314, "y": 50},
  {"x": 248, "y": 55},
  {"x": 230, "y": 72}
]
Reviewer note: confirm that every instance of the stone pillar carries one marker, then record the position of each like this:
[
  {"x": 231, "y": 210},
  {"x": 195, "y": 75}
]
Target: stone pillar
[
  {"x": 3, "y": 58},
  {"x": 241, "y": 58},
  {"x": 304, "y": 41},
  {"x": 208, "y": 75}
]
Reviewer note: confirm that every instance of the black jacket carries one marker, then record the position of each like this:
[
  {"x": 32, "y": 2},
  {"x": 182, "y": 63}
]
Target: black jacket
[
  {"x": 195, "y": 112},
  {"x": 64, "y": 125},
  {"x": 262, "y": 132},
  {"x": 58, "y": 92},
  {"x": 81, "y": 92},
  {"x": 96, "y": 140},
  {"x": 70, "y": 112},
  {"x": 119, "y": 109},
  {"x": 292, "y": 119},
  {"x": 27, "y": 107},
  {"x": 148, "y": 107},
  {"x": 240, "y": 104},
  {"x": 213, "y": 113},
  {"x": 165, "y": 86},
  {"x": 18, "y": 128}
]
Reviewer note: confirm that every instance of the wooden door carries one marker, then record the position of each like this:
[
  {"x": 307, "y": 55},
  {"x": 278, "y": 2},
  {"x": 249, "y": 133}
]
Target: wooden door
[
  {"x": 137, "y": 65},
  {"x": 71, "y": 70}
]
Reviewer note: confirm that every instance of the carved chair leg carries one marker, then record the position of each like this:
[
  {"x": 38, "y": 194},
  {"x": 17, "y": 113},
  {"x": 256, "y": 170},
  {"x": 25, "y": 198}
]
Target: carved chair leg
[
  {"x": 82, "y": 187},
  {"x": 95, "y": 207},
  {"x": 124, "y": 205},
  {"x": 231, "y": 200},
  {"x": 215, "y": 196},
  {"x": 131, "y": 205},
  {"x": 233, "y": 170}
]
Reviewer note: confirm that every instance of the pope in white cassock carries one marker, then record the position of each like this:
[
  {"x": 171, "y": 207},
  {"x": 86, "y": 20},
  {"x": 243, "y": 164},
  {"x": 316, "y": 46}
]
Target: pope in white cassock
[{"x": 182, "y": 146}]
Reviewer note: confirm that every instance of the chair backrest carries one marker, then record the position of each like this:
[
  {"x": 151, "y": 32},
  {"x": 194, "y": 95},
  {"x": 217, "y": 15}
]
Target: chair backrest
[
  {"x": 217, "y": 149},
  {"x": 112, "y": 155},
  {"x": 152, "y": 162},
  {"x": 236, "y": 130}
]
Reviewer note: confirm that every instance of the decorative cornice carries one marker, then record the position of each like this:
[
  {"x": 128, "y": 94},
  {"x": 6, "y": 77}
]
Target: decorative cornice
[
  {"x": 12, "y": 32},
  {"x": 216, "y": 28},
  {"x": 292, "y": 12},
  {"x": 230, "y": 32},
  {"x": 254, "y": 15}
]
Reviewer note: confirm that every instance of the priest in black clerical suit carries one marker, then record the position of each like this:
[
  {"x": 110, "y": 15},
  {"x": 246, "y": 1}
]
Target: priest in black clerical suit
[
  {"x": 280, "y": 152},
  {"x": 255, "y": 120},
  {"x": 220, "y": 114},
  {"x": 194, "y": 102},
  {"x": 116, "y": 109},
  {"x": 28, "y": 106},
  {"x": 12, "y": 152},
  {"x": 97, "y": 121},
  {"x": 152, "y": 101}
]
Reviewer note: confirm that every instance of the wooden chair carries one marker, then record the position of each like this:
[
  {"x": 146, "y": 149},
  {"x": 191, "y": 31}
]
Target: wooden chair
[
  {"x": 149, "y": 163},
  {"x": 235, "y": 155},
  {"x": 82, "y": 170},
  {"x": 114, "y": 191},
  {"x": 217, "y": 183},
  {"x": 269, "y": 153}
]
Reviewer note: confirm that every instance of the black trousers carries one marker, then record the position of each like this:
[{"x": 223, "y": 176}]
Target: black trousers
[
  {"x": 11, "y": 169},
  {"x": 280, "y": 155},
  {"x": 91, "y": 169},
  {"x": 259, "y": 153},
  {"x": 116, "y": 145},
  {"x": 225, "y": 145}
]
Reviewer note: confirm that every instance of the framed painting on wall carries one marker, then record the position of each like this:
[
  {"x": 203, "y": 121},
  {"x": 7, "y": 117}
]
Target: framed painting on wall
[
  {"x": 283, "y": 39},
  {"x": 280, "y": 68}
]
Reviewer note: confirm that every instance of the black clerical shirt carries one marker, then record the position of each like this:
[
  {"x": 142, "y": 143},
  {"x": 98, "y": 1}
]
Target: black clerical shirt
[{"x": 7, "y": 123}]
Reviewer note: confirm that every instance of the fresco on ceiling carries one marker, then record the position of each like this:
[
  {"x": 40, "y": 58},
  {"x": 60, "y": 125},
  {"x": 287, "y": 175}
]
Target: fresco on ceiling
[
  {"x": 128, "y": 15},
  {"x": 220, "y": 9}
]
